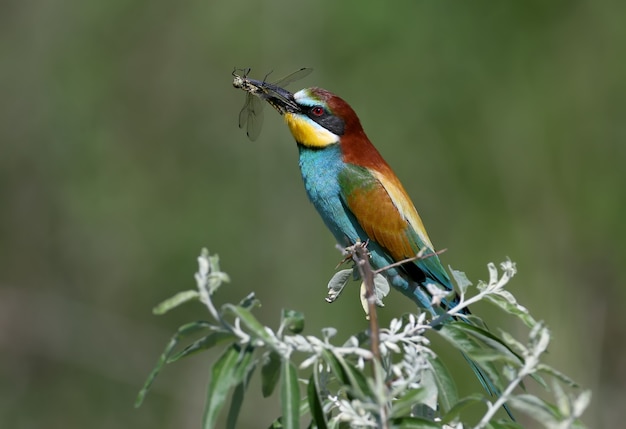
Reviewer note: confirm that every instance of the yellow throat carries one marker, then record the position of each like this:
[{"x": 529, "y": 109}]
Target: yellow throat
[{"x": 309, "y": 133}]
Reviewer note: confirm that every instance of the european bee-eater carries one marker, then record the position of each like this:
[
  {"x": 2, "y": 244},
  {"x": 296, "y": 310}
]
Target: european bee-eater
[{"x": 358, "y": 195}]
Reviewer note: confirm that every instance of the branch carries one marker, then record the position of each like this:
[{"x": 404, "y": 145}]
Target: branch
[{"x": 360, "y": 256}]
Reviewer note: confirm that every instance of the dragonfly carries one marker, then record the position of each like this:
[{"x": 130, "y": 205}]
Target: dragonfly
[{"x": 251, "y": 114}]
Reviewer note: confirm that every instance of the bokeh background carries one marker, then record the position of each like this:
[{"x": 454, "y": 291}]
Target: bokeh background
[{"x": 120, "y": 157}]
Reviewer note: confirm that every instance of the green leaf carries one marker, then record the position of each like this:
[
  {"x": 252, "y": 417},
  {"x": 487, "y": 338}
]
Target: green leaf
[
  {"x": 381, "y": 288},
  {"x": 452, "y": 416},
  {"x": 403, "y": 406},
  {"x": 484, "y": 356},
  {"x": 504, "y": 300},
  {"x": 216, "y": 276},
  {"x": 209, "y": 277},
  {"x": 203, "y": 343},
  {"x": 270, "y": 373},
  {"x": 468, "y": 345},
  {"x": 183, "y": 331},
  {"x": 446, "y": 388},
  {"x": 227, "y": 372},
  {"x": 581, "y": 402},
  {"x": 535, "y": 407},
  {"x": 413, "y": 423},
  {"x": 315, "y": 404},
  {"x": 457, "y": 337},
  {"x": 335, "y": 366},
  {"x": 175, "y": 301},
  {"x": 247, "y": 369},
  {"x": 504, "y": 424},
  {"x": 221, "y": 382},
  {"x": 356, "y": 381},
  {"x": 294, "y": 320},
  {"x": 489, "y": 339},
  {"x": 290, "y": 395},
  {"x": 460, "y": 279},
  {"x": 336, "y": 284},
  {"x": 247, "y": 318},
  {"x": 563, "y": 401},
  {"x": 351, "y": 377},
  {"x": 557, "y": 374}
]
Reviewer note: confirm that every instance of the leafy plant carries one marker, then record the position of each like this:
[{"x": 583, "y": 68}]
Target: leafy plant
[{"x": 383, "y": 378}]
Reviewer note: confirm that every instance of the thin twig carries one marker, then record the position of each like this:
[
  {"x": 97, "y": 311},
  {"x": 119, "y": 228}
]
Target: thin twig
[
  {"x": 419, "y": 255},
  {"x": 361, "y": 258}
]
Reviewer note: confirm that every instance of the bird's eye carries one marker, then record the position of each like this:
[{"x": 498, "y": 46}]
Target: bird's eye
[{"x": 317, "y": 111}]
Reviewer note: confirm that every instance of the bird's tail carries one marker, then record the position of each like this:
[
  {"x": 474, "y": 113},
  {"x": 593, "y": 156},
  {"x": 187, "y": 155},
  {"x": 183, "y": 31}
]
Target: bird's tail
[{"x": 486, "y": 382}]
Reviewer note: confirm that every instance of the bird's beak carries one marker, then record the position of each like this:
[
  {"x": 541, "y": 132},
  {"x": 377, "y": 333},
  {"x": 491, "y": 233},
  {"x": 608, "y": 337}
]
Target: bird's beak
[{"x": 280, "y": 99}]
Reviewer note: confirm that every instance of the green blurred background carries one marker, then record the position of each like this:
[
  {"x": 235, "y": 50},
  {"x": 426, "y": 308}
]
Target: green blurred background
[{"x": 120, "y": 157}]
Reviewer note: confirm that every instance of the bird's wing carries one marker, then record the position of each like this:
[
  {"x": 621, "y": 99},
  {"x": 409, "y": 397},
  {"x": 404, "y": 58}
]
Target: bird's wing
[{"x": 384, "y": 211}]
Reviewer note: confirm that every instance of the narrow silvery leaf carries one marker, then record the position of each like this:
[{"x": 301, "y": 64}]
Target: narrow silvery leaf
[
  {"x": 315, "y": 404},
  {"x": 493, "y": 273},
  {"x": 513, "y": 343},
  {"x": 414, "y": 423},
  {"x": 204, "y": 343},
  {"x": 509, "y": 268},
  {"x": 535, "y": 407},
  {"x": 544, "y": 340},
  {"x": 556, "y": 374},
  {"x": 404, "y": 405},
  {"x": 221, "y": 381},
  {"x": 203, "y": 262},
  {"x": 189, "y": 328},
  {"x": 581, "y": 403},
  {"x": 503, "y": 424},
  {"x": 488, "y": 338},
  {"x": 381, "y": 288},
  {"x": 243, "y": 373},
  {"x": 453, "y": 415},
  {"x": 363, "y": 298},
  {"x": 562, "y": 400},
  {"x": 215, "y": 277},
  {"x": 175, "y": 301},
  {"x": 446, "y": 387},
  {"x": 337, "y": 283},
  {"x": 511, "y": 308},
  {"x": 247, "y": 318},
  {"x": 289, "y": 395},
  {"x": 270, "y": 373},
  {"x": 461, "y": 280}
]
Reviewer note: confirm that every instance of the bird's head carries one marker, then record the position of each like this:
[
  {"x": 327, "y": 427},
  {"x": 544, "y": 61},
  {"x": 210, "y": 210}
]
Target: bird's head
[{"x": 316, "y": 117}]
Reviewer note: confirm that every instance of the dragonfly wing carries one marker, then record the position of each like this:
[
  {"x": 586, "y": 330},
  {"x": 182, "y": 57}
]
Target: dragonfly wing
[
  {"x": 243, "y": 114},
  {"x": 297, "y": 75},
  {"x": 255, "y": 118}
]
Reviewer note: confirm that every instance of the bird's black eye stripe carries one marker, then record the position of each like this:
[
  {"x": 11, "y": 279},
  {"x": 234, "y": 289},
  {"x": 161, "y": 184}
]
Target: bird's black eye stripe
[{"x": 322, "y": 116}]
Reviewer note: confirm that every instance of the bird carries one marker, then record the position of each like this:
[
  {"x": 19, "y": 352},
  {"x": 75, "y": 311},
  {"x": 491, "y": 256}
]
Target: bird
[
  {"x": 356, "y": 193},
  {"x": 361, "y": 199}
]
